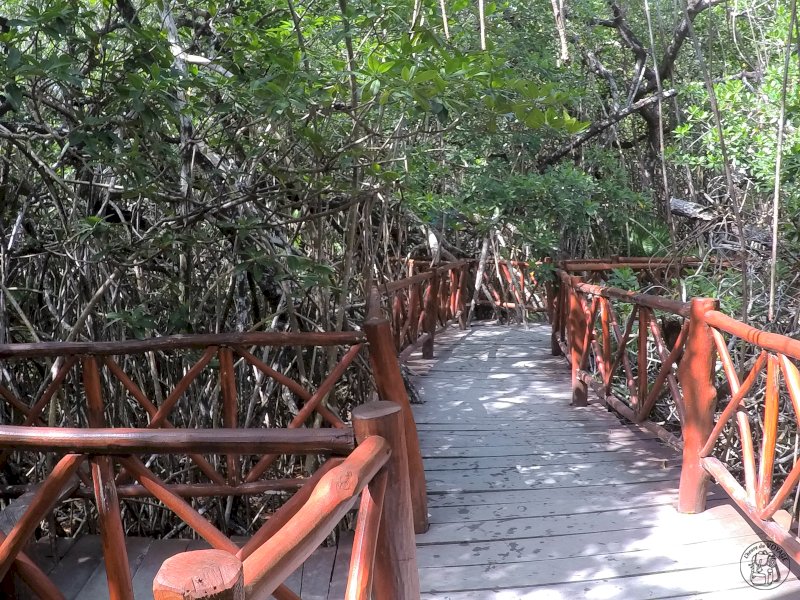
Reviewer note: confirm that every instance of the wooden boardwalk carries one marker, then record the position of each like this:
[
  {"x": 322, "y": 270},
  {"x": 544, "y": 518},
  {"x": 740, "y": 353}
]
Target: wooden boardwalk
[{"x": 530, "y": 498}]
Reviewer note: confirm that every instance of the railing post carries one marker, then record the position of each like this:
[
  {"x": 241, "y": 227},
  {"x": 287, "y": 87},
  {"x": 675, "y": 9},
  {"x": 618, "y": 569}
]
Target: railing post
[
  {"x": 556, "y": 290},
  {"x": 396, "y": 576},
  {"x": 605, "y": 325},
  {"x": 641, "y": 355},
  {"x": 461, "y": 306},
  {"x": 699, "y": 401},
  {"x": 390, "y": 385},
  {"x": 549, "y": 296},
  {"x": 200, "y": 575},
  {"x": 452, "y": 305},
  {"x": 576, "y": 323},
  {"x": 431, "y": 314}
]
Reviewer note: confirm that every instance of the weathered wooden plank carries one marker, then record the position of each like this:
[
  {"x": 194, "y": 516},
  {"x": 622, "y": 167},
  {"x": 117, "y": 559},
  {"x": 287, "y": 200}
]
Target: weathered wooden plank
[
  {"x": 521, "y": 549},
  {"x": 534, "y": 438},
  {"x": 583, "y": 501},
  {"x": 293, "y": 582},
  {"x": 157, "y": 553},
  {"x": 48, "y": 554},
  {"x": 453, "y": 418},
  {"x": 554, "y": 497},
  {"x": 655, "y": 585},
  {"x": 426, "y": 413},
  {"x": 96, "y": 585},
  {"x": 597, "y": 423},
  {"x": 659, "y": 517},
  {"x": 577, "y": 445},
  {"x": 317, "y": 574},
  {"x": 547, "y": 476},
  {"x": 77, "y": 566},
  {"x": 341, "y": 567},
  {"x": 529, "y": 383},
  {"x": 786, "y": 591},
  {"x": 633, "y": 457},
  {"x": 662, "y": 559}
]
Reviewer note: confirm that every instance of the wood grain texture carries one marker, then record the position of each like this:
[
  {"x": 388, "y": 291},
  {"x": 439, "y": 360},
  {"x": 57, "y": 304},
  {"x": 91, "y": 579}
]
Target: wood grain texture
[
  {"x": 200, "y": 575},
  {"x": 122, "y": 440}
]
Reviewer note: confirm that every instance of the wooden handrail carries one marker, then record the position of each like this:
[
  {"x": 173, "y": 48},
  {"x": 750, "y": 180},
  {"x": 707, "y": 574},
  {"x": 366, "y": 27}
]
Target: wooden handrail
[
  {"x": 335, "y": 494},
  {"x": 586, "y": 265},
  {"x": 123, "y": 440},
  {"x": 180, "y": 342},
  {"x": 265, "y": 569},
  {"x": 675, "y": 307},
  {"x": 417, "y": 311},
  {"x": 763, "y": 339},
  {"x": 402, "y": 284}
]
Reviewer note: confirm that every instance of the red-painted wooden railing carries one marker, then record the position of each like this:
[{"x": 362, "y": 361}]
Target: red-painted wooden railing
[
  {"x": 110, "y": 452},
  {"x": 758, "y": 495},
  {"x": 425, "y": 302},
  {"x": 587, "y": 330},
  {"x": 100, "y": 460},
  {"x": 630, "y": 362}
]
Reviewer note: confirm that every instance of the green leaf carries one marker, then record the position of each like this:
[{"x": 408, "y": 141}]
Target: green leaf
[
  {"x": 13, "y": 94},
  {"x": 13, "y": 59}
]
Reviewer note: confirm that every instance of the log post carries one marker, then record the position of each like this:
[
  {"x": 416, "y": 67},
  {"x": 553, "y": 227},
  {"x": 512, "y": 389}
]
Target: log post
[
  {"x": 452, "y": 306},
  {"x": 414, "y": 311},
  {"x": 699, "y": 399},
  {"x": 550, "y": 300},
  {"x": 396, "y": 576},
  {"x": 112, "y": 532},
  {"x": 576, "y": 324},
  {"x": 641, "y": 355},
  {"x": 605, "y": 324},
  {"x": 563, "y": 306},
  {"x": 461, "y": 305},
  {"x": 556, "y": 318},
  {"x": 390, "y": 385},
  {"x": 431, "y": 314},
  {"x": 200, "y": 575}
]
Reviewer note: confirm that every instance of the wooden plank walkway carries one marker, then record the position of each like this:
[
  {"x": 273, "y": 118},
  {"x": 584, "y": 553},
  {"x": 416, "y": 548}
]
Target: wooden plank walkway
[
  {"x": 532, "y": 499},
  {"x": 529, "y": 498}
]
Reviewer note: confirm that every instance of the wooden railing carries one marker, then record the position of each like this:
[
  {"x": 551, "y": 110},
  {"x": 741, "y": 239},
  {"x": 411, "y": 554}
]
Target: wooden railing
[
  {"x": 375, "y": 459},
  {"x": 589, "y": 329},
  {"x": 432, "y": 298},
  {"x": 103, "y": 461},
  {"x": 383, "y": 560},
  {"x": 757, "y": 492},
  {"x": 425, "y": 302},
  {"x": 688, "y": 368}
]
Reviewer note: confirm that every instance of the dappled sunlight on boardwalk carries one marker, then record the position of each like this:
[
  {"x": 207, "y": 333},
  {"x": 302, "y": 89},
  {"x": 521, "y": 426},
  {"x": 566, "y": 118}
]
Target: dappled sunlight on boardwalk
[{"x": 530, "y": 498}]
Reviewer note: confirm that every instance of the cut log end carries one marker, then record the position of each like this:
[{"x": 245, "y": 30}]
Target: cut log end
[
  {"x": 200, "y": 575},
  {"x": 373, "y": 410}
]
